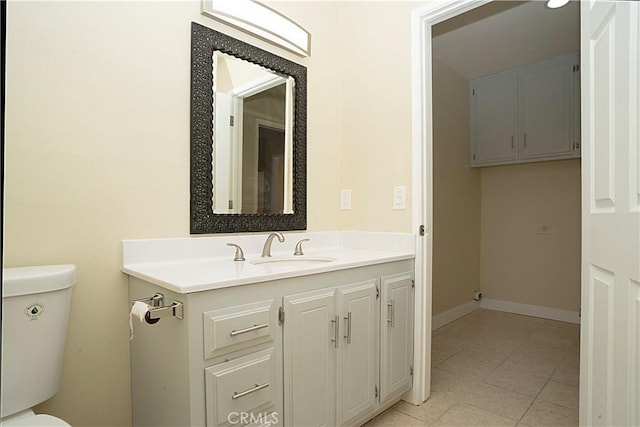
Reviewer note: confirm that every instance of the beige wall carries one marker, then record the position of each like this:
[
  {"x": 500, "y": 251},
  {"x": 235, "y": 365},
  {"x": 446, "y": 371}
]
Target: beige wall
[
  {"x": 97, "y": 150},
  {"x": 375, "y": 112},
  {"x": 518, "y": 264},
  {"x": 456, "y": 195}
]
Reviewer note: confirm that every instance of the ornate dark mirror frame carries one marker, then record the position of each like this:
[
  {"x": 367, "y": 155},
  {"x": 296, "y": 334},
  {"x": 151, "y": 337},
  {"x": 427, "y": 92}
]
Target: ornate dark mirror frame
[{"x": 204, "y": 41}]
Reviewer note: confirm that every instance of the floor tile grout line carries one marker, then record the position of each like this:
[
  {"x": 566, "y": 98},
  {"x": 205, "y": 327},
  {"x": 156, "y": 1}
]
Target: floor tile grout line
[
  {"x": 533, "y": 402},
  {"x": 538, "y": 396},
  {"x": 530, "y": 330}
]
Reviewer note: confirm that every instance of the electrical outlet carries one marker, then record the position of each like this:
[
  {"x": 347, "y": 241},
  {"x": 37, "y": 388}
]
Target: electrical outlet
[
  {"x": 543, "y": 229},
  {"x": 345, "y": 200}
]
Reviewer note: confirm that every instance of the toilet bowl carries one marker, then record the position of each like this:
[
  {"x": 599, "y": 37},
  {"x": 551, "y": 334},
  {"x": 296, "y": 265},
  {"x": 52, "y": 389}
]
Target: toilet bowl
[{"x": 35, "y": 314}]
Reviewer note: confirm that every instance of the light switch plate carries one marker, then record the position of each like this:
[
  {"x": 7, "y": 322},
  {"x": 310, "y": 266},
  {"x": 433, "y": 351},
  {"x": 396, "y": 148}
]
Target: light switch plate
[
  {"x": 400, "y": 197},
  {"x": 345, "y": 200}
]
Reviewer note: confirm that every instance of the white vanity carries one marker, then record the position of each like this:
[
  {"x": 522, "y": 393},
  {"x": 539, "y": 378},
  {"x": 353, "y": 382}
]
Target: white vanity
[{"x": 320, "y": 339}]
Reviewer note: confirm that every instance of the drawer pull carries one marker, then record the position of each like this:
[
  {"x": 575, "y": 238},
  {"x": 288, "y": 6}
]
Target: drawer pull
[
  {"x": 249, "y": 329},
  {"x": 258, "y": 387}
]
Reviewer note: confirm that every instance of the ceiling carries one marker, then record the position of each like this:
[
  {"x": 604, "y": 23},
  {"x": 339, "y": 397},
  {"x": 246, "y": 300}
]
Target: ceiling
[{"x": 503, "y": 35}]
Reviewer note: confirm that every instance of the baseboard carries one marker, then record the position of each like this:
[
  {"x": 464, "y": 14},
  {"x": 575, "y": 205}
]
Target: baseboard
[
  {"x": 439, "y": 320},
  {"x": 531, "y": 310}
]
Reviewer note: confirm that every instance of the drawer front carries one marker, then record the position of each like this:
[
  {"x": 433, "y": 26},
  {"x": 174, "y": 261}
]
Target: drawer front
[
  {"x": 242, "y": 387},
  {"x": 234, "y": 328}
]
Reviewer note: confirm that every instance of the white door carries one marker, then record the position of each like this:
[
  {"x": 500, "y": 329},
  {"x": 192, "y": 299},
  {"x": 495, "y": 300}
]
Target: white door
[
  {"x": 310, "y": 362},
  {"x": 396, "y": 338},
  {"x": 358, "y": 352},
  {"x": 610, "y": 341}
]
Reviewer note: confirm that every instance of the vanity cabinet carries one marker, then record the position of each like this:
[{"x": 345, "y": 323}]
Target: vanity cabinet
[
  {"x": 397, "y": 334},
  {"x": 526, "y": 115},
  {"x": 332, "y": 348}
]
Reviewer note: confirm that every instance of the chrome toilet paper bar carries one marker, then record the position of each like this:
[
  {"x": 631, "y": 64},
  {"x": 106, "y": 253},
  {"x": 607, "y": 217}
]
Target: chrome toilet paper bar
[
  {"x": 155, "y": 301},
  {"x": 158, "y": 310}
]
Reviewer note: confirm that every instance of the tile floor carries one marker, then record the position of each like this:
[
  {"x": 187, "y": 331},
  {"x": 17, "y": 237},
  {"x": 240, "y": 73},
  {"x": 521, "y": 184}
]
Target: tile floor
[{"x": 491, "y": 368}]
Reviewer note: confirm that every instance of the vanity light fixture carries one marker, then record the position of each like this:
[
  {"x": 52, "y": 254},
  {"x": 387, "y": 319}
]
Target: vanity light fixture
[
  {"x": 555, "y": 4},
  {"x": 261, "y": 21}
]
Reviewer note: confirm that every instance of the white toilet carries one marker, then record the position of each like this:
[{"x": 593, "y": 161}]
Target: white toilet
[{"x": 35, "y": 313}]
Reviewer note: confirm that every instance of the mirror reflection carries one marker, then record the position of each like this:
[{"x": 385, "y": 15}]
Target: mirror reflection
[{"x": 253, "y": 138}]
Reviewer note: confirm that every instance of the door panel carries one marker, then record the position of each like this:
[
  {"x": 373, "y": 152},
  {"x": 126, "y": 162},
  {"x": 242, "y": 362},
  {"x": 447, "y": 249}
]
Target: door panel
[
  {"x": 610, "y": 349},
  {"x": 358, "y": 370},
  {"x": 493, "y": 119},
  {"x": 310, "y": 378},
  {"x": 545, "y": 109},
  {"x": 396, "y": 323}
]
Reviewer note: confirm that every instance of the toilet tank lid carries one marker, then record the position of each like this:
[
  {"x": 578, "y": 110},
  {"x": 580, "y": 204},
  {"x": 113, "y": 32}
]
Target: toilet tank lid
[{"x": 32, "y": 280}]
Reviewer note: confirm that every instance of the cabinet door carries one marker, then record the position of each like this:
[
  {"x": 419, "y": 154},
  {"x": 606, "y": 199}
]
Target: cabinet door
[
  {"x": 358, "y": 350},
  {"x": 494, "y": 120},
  {"x": 310, "y": 336},
  {"x": 545, "y": 93},
  {"x": 396, "y": 323}
]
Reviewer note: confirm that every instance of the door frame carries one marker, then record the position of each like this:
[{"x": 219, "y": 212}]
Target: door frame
[{"x": 422, "y": 19}]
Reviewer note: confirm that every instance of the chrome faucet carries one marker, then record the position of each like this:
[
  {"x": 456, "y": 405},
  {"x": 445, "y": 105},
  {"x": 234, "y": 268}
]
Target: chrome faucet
[
  {"x": 298, "y": 250},
  {"x": 266, "y": 250},
  {"x": 239, "y": 256}
]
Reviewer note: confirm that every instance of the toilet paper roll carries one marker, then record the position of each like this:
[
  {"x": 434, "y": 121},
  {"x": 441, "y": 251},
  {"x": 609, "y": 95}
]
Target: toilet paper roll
[{"x": 138, "y": 311}]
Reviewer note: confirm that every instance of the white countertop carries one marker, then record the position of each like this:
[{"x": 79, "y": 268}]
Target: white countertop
[{"x": 187, "y": 265}]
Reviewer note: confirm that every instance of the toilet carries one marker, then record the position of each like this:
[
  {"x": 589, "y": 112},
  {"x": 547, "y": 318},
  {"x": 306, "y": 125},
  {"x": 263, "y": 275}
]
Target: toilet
[{"x": 35, "y": 313}]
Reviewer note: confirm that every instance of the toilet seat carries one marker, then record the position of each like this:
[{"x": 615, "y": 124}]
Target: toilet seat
[{"x": 30, "y": 419}]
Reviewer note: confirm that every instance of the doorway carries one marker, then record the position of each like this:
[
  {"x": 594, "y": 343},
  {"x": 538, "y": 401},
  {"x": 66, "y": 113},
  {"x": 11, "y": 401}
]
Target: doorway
[
  {"x": 424, "y": 24},
  {"x": 508, "y": 220}
]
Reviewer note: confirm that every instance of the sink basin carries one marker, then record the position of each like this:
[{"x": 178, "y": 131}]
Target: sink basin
[{"x": 292, "y": 261}]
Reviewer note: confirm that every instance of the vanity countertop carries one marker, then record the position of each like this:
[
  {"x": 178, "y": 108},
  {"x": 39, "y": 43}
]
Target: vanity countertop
[{"x": 182, "y": 265}]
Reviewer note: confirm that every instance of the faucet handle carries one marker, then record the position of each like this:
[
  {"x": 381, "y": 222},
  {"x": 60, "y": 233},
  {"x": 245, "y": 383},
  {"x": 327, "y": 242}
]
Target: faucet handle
[
  {"x": 239, "y": 256},
  {"x": 298, "y": 249}
]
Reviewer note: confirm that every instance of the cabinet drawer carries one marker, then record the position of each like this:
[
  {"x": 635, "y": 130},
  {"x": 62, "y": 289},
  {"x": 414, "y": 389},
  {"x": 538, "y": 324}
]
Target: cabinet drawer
[
  {"x": 240, "y": 387},
  {"x": 231, "y": 329}
]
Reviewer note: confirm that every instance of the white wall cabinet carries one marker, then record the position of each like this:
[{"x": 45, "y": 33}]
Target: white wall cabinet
[
  {"x": 318, "y": 350},
  {"x": 526, "y": 115},
  {"x": 494, "y": 119}
]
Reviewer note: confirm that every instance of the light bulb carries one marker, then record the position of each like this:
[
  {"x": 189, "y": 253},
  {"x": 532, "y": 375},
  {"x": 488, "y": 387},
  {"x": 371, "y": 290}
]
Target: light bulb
[{"x": 554, "y": 4}]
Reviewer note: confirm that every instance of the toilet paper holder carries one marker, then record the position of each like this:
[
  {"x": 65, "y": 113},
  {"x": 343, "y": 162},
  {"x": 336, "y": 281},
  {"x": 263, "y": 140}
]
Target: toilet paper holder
[{"x": 158, "y": 310}]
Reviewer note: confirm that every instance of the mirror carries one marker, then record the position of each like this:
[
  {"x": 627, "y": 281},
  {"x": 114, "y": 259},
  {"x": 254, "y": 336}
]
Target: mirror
[
  {"x": 248, "y": 137},
  {"x": 253, "y": 138}
]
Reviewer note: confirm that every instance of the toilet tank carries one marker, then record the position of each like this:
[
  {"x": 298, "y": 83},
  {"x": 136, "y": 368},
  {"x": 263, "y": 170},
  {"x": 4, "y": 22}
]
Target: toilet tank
[{"x": 35, "y": 313}]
